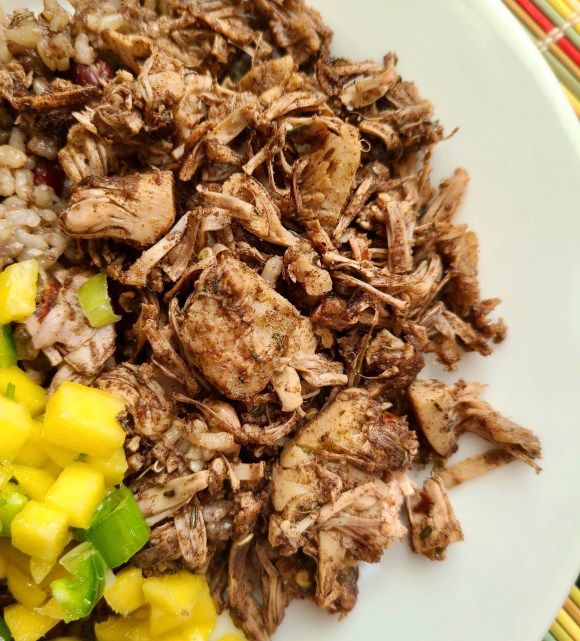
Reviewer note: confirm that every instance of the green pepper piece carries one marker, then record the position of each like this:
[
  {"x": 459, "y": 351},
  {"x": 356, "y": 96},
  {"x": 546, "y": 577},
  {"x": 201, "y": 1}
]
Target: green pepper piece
[
  {"x": 8, "y": 354},
  {"x": 4, "y": 631},
  {"x": 11, "y": 502},
  {"x": 118, "y": 530},
  {"x": 77, "y": 596}
]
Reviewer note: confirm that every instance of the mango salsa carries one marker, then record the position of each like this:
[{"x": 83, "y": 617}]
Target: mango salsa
[
  {"x": 40, "y": 569},
  {"x": 122, "y": 629},
  {"x": 18, "y": 285},
  {"x": 24, "y": 589},
  {"x": 11, "y": 503},
  {"x": 40, "y": 530},
  {"x": 77, "y": 492},
  {"x": 83, "y": 419},
  {"x": 32, "y": 452},
  {"x": 161, "y": 622},
  {"x": 175, "y": 594},
  {"x": 26, "y": 391},
  {"x": 112, "y": 468},
  {"x": 60, "y": 456},
  {"x": 125, "y": 594},
  {"x": 191, "y": 632},
  {"x": 27, "y": 625},
  {"x": 15, "y": 428},
  {"x": 35, "y": 482}
]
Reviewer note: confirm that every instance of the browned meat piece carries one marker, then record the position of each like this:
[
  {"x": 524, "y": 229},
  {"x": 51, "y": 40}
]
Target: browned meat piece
[
  {"x": 355, "y": 428},
  {"x": 395, "y": 360},
  {"x": 294, "y": 26},
  {"x": 336, "y": 514},
  {"x": 235, "y": 328},
  {"x": 479, "y": 417},
  {"x": 49, "y": 112},
  {"x": 445, "y": 411},
  {"x": 144, "y": 397},
  {"x": 61, "y": 330},
  {"x": 85, "y": 154},
  {"x": 368, "y": 90},
  {"x": 433, "y": 523},
  {"x": 138, "y": 208},
  {"x": 302, "y": 265},
  {"x": 473, "y": 467},
  {"x": 434, "y": 405},
  {"x": 325, "y": 177}
]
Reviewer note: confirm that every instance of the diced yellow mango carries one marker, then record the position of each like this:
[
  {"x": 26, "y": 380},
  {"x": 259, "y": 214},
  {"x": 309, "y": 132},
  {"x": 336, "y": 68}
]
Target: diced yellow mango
[
  {"x": 83, "y": 419},
  {"x": 191, "y": 632},
  {"x": 18, "y": 285},
  {"x": 67, "y": 639},
  {"x": 160, "y": 621},
  {"x": 176, "y": 594},
  {"x": 40, "y": 569},
  {"x": 125, "y": 594},
  {"x": 35, "y": 482},
  {"x": 15, "y": 428},
  {"x": 24, "y": 589},
  {"x": 5, "y": 474},
  {"x": 204, "y": 612},
  {"x": 142, "y": 614},
  {"x": 52, "y": 468},
  {"x": 51, "y": 609},
  {"x": 26, "y": 391},
  {"x": 25, "y": 624},
  {"x": 14, "y": 556},
  {"x": 122, "y": 629},
  {"x": 112, "y": 468},
  {"x": 32, "y": 452},
  {"x": 77, "y": 492},
  {"x": 60, "y": 456},
  {"x": 233, "y": 636},
  {"x": 40, "y": 530}
]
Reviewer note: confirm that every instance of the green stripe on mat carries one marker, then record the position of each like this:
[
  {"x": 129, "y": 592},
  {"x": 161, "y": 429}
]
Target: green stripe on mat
[{"x": 548, "y": 637}]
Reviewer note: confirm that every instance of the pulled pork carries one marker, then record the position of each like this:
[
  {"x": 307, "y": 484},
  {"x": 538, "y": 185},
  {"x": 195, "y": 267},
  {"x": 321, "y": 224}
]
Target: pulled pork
[{"x": 282, "y": 263}]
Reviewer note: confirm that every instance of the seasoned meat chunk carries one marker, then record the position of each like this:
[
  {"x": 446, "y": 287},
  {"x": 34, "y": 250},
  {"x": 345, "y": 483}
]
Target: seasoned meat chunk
[
  {"x": 138, "y": 208},
  {"x": 235, "y": 328}
]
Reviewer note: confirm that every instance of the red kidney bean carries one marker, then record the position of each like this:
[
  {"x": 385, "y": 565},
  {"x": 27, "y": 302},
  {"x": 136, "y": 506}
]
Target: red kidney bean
[
  {"x": 82, "y": 74},
  {"x": 49, "y": 172},
  {"x": 87, "y": 75}
]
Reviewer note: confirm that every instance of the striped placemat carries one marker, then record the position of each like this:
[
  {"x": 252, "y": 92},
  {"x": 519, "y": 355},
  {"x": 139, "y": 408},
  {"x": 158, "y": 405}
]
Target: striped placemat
[
  {"x": 554, "y": 25},
  {"x": 566, "y": 627}
]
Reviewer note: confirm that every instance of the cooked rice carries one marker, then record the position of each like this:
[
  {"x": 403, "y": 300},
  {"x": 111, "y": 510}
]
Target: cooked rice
[{"x": 29, "y": 225}]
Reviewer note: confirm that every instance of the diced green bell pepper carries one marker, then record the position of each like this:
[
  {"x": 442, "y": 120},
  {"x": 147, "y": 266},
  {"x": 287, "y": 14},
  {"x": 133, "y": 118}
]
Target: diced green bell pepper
[
  {"x": 78, "y": 595},
  {"x": 11, "y": 502},
  {"x": 4, "y": 631},
  {"x": 118, "y": 530},
  {"x": 8, "y": 354}
]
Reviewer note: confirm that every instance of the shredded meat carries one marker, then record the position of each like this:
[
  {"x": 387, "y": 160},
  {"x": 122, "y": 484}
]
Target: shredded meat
[{"x": 282, "y": 263}]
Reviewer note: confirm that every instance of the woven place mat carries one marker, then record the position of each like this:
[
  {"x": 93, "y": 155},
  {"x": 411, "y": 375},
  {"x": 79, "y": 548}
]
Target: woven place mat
[
  {"x": 566, "y": 626},
  {"x": 554, "y": 25}
]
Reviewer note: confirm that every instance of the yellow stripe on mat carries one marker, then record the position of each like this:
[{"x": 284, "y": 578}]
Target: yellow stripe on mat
[
  {"x": 573, "y": 610},
  {"x": 559, "y": 633},
  {"x": 566, "y": 621},
  {"x": 575, "y": 595},
  {"x": 564, "y": 10},
  {"x": 573, "y": 100}
]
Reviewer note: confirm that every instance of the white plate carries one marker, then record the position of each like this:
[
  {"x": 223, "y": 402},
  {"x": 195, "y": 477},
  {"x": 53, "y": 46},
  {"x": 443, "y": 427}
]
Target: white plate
[{"x": 521, "y": 144}]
